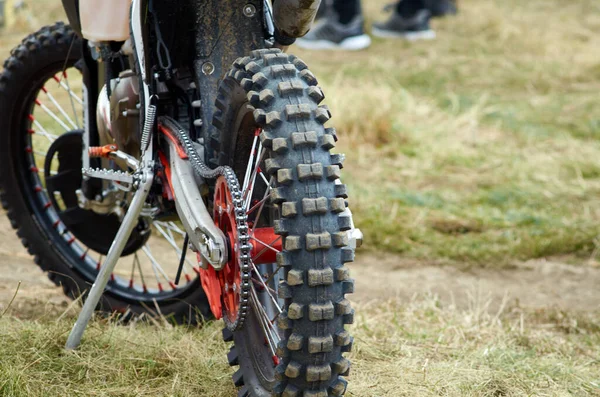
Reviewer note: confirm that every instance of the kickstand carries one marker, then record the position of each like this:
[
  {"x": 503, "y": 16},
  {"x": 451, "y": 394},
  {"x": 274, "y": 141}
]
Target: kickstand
[{"x": 114, "y": 253}]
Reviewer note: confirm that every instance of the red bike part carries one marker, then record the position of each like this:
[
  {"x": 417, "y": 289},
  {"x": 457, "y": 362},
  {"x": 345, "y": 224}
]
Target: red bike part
[
  {"x": 265, "y": 245},
  {"x": 229, "y": 277},
  {"x": 212, "y": 288},
  {"x": 223, "y": 288}
]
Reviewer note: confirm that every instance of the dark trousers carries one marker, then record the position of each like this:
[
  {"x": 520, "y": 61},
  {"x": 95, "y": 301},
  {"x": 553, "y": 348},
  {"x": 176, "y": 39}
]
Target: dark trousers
[
  {"x": 408, "y": 8},
  {"x": 348, "y": 9}
]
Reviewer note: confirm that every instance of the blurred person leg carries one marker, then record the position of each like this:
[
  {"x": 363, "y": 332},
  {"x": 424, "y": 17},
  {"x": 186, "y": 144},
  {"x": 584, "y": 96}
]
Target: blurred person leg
[
  {"x": 410, "y": 19},
  {"x": 341, "y": 27},
  {"x": 441, "y": 8}
]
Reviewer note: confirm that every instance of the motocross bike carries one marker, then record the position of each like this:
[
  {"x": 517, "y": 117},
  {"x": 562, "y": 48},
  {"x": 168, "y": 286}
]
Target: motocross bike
[{"x": 196, "y": 132}]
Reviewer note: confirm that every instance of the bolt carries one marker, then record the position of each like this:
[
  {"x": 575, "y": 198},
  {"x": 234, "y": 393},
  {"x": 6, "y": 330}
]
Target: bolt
[
  {"x": 208, "y": 68},
  {"x": 249, "y": 10}
]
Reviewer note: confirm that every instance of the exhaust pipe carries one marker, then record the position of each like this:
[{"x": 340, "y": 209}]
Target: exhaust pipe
[{"x": 293, "y": 18}]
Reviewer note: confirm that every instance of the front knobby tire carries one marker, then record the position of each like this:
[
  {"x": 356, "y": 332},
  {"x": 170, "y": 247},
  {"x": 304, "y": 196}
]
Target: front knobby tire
[{"x": 309, "y": 202}]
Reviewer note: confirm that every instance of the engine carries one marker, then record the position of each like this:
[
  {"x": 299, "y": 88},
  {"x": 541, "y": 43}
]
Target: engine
[{"x": 118, "y": 117}]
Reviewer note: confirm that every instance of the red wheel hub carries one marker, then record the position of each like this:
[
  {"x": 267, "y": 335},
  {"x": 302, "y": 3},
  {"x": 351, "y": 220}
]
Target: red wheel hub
[{"x": 223, "y": 287}]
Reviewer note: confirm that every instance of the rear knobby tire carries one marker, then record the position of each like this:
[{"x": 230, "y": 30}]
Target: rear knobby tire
[
  {"x": 35, "y": 60},
  {"x": 284, "y": 98}
]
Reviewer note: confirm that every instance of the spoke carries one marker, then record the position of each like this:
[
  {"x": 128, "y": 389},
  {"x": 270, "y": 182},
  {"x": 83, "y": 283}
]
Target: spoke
[
  {"x": 264, "y": 322},
  {"x": 267, "y": 194},
  {"x": 268, "y": 324},
  {"x": 273, "y": 274},
  {"x": 42, "y": 131},
  {"x": 73, "y": 103},
  {"x": 248, "y": 195},
  {"x": 267, "y": 288},
  {"x": 68, "y": 89},
  {"x": 249, "y": 166},
  {"x": 171, "y": 226},
  {"x": 267, "y": 246},
  {"x": 139, "y": 266},
  {"x": 51, "y": 114},
  {"x": 171, "y": 241},
  {"x": 259, "y": 204},
  {"x": 264, "y": 316},
  {"x": 60, "y": 109},
  {"x": 132, "y": 272},
  {"x": 264, "y": 178},
  {"x": 167, "y": 226},
  {"x": 98, "y": 264},
  {"x": 170, "y": 233},
  {"x": 156, "y": 266},
  {"x": 258, "y": 283}
]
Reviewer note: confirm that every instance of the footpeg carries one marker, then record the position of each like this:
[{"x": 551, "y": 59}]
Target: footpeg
[{"x": 110, "y": 175}]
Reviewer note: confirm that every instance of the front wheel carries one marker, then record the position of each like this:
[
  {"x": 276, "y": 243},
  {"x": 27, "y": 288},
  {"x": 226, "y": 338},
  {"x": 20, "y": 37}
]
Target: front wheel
[{"x": 272, "y": 134}]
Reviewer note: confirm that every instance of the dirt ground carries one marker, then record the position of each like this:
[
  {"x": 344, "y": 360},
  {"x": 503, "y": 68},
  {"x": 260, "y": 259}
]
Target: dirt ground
[{"x": 539, "y": 283}]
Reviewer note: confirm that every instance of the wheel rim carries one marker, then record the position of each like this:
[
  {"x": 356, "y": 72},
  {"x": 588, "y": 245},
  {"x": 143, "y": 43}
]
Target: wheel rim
[
  {"x": 52, "y": 109},
  {"x": 260, "y": 334}
]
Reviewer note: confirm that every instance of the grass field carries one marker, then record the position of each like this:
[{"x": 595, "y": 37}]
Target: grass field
[
  {"x": 478, "y": 149},
  {"x": 419, "y": 348},
  {"x": 480, "y": 146}
]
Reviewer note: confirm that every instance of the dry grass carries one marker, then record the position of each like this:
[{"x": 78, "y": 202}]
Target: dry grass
[
  {"x": 419, "y": 348},
  {"x": 478, "y": 147},
  {"x": 494, "y": 124}
]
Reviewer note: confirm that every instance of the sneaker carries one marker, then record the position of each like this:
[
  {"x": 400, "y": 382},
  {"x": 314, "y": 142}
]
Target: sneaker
[
  {"x": 443, "y": 8},
  {"x": 415, "y": 28},
  {"x": 329, "y": 34}
]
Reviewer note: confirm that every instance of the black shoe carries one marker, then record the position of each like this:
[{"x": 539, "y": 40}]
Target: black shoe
[
  {"x": 442, "y": 8},
  {"x": 415, "y": 28},
  {"x": 329, "y": 34}
]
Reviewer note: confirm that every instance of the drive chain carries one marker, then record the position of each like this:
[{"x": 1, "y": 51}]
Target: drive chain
[{"x": 244, "y": 251}]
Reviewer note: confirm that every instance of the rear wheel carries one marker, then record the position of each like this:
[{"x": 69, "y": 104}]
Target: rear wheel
[
  {"x": 272, "y": 133},
  {"x": 40, "y": 173}
]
